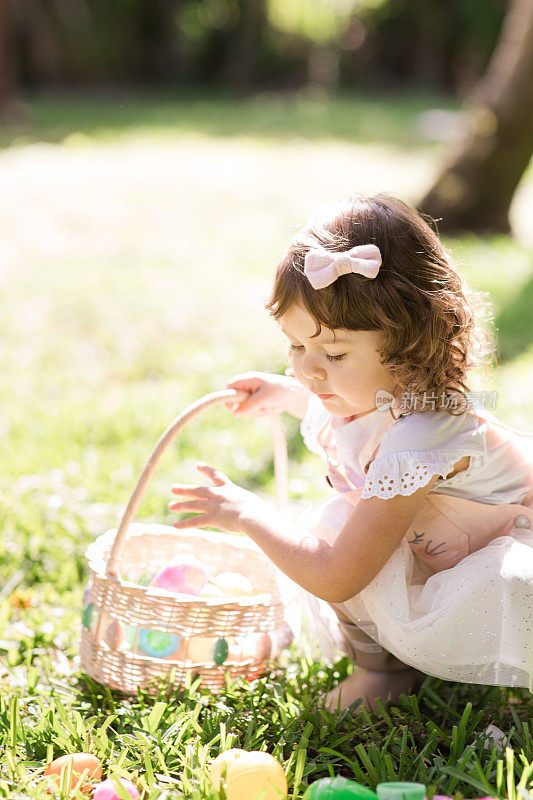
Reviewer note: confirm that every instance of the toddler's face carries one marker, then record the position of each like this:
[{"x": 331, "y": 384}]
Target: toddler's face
[{"x": 347, "y": 374}]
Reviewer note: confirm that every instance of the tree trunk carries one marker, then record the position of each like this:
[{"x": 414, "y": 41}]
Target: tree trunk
[
  {"x": 475, "y": 189},
  {"x": 10, "y": 108},
  {"x": 241, "y": 66}
]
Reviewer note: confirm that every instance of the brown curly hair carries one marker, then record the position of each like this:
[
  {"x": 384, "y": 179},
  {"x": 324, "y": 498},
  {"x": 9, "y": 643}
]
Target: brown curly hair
[{"x": 428, "y": 315}]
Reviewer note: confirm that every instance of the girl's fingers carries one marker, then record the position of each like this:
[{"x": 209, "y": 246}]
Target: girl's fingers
[
  {"x": 218, "y": 478},
  {"x": 184, "y": 508},
  {"x": 188, "y": 490},
  {"x": 192, "y": 522}
]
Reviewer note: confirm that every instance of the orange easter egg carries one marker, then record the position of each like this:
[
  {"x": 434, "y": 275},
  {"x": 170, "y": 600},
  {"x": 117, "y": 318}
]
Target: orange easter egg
[
  {"x": 256, "y": 775},
  {"x": 221, "y": 761},
  {"x": 81, "y": 762}
]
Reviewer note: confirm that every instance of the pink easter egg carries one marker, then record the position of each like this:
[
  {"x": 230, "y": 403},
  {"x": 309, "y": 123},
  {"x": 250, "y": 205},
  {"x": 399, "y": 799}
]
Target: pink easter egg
[
  {"x": 262, "y": 647},
  {"x": 114, "y": 635},
  {"x": 107, "y": 791},
  {"x": 186, "y": 576}
]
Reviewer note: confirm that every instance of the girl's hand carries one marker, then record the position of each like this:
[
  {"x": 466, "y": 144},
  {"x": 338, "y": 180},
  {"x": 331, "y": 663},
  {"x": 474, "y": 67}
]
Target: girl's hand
[
  {"x": 222, "y": 505},
  {"x": 268, "y": 394}
]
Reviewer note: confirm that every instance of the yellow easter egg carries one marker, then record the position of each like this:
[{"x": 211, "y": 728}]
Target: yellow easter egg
[
  {"x": 233, "y": 584},
  {"x": 256, "y": 775},
  {"x": 221, "y": 761},
  {"x": 211, "y": 590},
  {"x": 81, "y": 762}
]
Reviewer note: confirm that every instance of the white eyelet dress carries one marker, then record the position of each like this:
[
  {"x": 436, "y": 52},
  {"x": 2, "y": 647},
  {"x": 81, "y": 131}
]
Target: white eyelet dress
[{"x": 455, "y": 600}]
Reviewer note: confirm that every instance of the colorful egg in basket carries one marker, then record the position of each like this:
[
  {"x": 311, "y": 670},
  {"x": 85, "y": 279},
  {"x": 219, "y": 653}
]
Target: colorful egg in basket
[{"x": 133, "y": 633}]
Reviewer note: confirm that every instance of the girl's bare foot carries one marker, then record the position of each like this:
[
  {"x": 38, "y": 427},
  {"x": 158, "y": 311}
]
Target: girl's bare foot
[{"x": 370, "y": 684}]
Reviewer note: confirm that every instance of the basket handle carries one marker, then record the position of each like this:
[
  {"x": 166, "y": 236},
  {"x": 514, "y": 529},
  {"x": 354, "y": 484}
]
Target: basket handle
[{"x": 208, "y": 400}]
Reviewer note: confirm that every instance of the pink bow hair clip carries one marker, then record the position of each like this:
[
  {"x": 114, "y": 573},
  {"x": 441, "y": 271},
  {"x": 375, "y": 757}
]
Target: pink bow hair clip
[{"x": 323, "y": 267}]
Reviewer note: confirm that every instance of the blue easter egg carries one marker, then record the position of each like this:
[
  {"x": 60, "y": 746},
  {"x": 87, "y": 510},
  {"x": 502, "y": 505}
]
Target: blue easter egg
[{"x": 158, "y": 644}]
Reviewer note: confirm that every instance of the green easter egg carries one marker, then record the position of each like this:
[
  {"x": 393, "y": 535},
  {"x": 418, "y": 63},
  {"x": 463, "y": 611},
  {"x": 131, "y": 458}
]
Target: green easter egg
[
  {"x": 338, "y": 788},
  {"x": 220, "y": 651},
  {"x": 87, "y": 616},
  {"x": 396, "y": 790}
]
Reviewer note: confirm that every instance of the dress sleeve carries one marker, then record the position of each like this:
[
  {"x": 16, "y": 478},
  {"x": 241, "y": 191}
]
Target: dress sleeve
[
  {"x": 420, "y": 446},
  {"x": 314, "y": 418}
]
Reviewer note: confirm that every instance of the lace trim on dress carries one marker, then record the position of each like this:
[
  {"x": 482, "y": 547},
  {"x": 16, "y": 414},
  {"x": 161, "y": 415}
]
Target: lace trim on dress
[{"x": 404, "y": 473}]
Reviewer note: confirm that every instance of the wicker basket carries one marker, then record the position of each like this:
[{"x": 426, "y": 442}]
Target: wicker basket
[{"x": 119, "y": 610}]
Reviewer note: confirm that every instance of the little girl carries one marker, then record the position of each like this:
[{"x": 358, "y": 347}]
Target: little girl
[{"x": 424, "y": 548}]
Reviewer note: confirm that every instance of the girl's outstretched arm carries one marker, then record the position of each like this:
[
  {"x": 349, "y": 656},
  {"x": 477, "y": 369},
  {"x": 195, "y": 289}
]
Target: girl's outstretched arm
[{"x": 335, "y": 571}]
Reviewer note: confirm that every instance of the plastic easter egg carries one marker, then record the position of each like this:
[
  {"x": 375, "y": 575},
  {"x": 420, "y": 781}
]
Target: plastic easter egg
[
  {"x": 157, "y": 643},
  {"x": 211, "y": 590},
  {"x": 114, "y": 635},
  {"x": 253, "y": 775},
  {"x": 220, "y": 651},
  {"x": 186, "y": 576},
  {"x": 199, "y": 648},
  {"x": 87, "y": 616},
  {"x": 397, "y": 790},
  {"x": 107, "y": 789},
  {"x": 81, "y": 763},
  {"x": 233, "y": 584},
  {"x": 338, "y": 788},
  {"x": 221, "y": 764}
]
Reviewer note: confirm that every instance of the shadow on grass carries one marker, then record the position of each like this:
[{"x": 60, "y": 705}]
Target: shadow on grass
[
  {"x": 515, "y": 324},
  {"x": 273, "y": 116}
]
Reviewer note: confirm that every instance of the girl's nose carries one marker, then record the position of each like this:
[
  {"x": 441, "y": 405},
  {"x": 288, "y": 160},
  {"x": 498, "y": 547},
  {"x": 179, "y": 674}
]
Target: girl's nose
[{"x": 311, "y": 368}]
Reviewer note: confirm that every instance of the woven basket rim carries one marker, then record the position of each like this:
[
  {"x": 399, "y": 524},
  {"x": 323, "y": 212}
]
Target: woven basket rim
[{"x": 97, "y": 564}]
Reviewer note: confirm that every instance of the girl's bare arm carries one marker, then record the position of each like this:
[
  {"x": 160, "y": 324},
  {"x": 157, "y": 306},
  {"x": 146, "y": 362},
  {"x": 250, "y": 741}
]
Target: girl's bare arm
[{"x": 333, "y": 570}]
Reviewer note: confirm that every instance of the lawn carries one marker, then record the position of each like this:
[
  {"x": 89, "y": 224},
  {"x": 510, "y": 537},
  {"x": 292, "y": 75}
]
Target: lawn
[{"x": 139, "y": 236}]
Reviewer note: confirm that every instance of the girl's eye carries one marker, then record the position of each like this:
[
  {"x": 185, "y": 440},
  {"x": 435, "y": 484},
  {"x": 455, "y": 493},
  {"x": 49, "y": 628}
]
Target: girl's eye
[{"x": 299, "y": 347}]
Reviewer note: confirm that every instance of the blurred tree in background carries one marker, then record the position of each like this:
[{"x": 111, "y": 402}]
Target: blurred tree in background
[
  {"x": 9, "y": 107},
  {"x": 475, "y": 190},
  {"x": 249, "y": 44},
  {"x": 246, "y": 46}
]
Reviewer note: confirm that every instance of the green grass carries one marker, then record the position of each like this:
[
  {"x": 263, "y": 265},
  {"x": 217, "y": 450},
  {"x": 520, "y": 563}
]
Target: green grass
[
  {"x": 272, "y": 116},
  {"x": 138, "y": 244}
]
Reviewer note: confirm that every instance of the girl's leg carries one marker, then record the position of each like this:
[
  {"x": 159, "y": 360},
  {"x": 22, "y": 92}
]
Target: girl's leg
[{"x": 377, "y": 672}]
